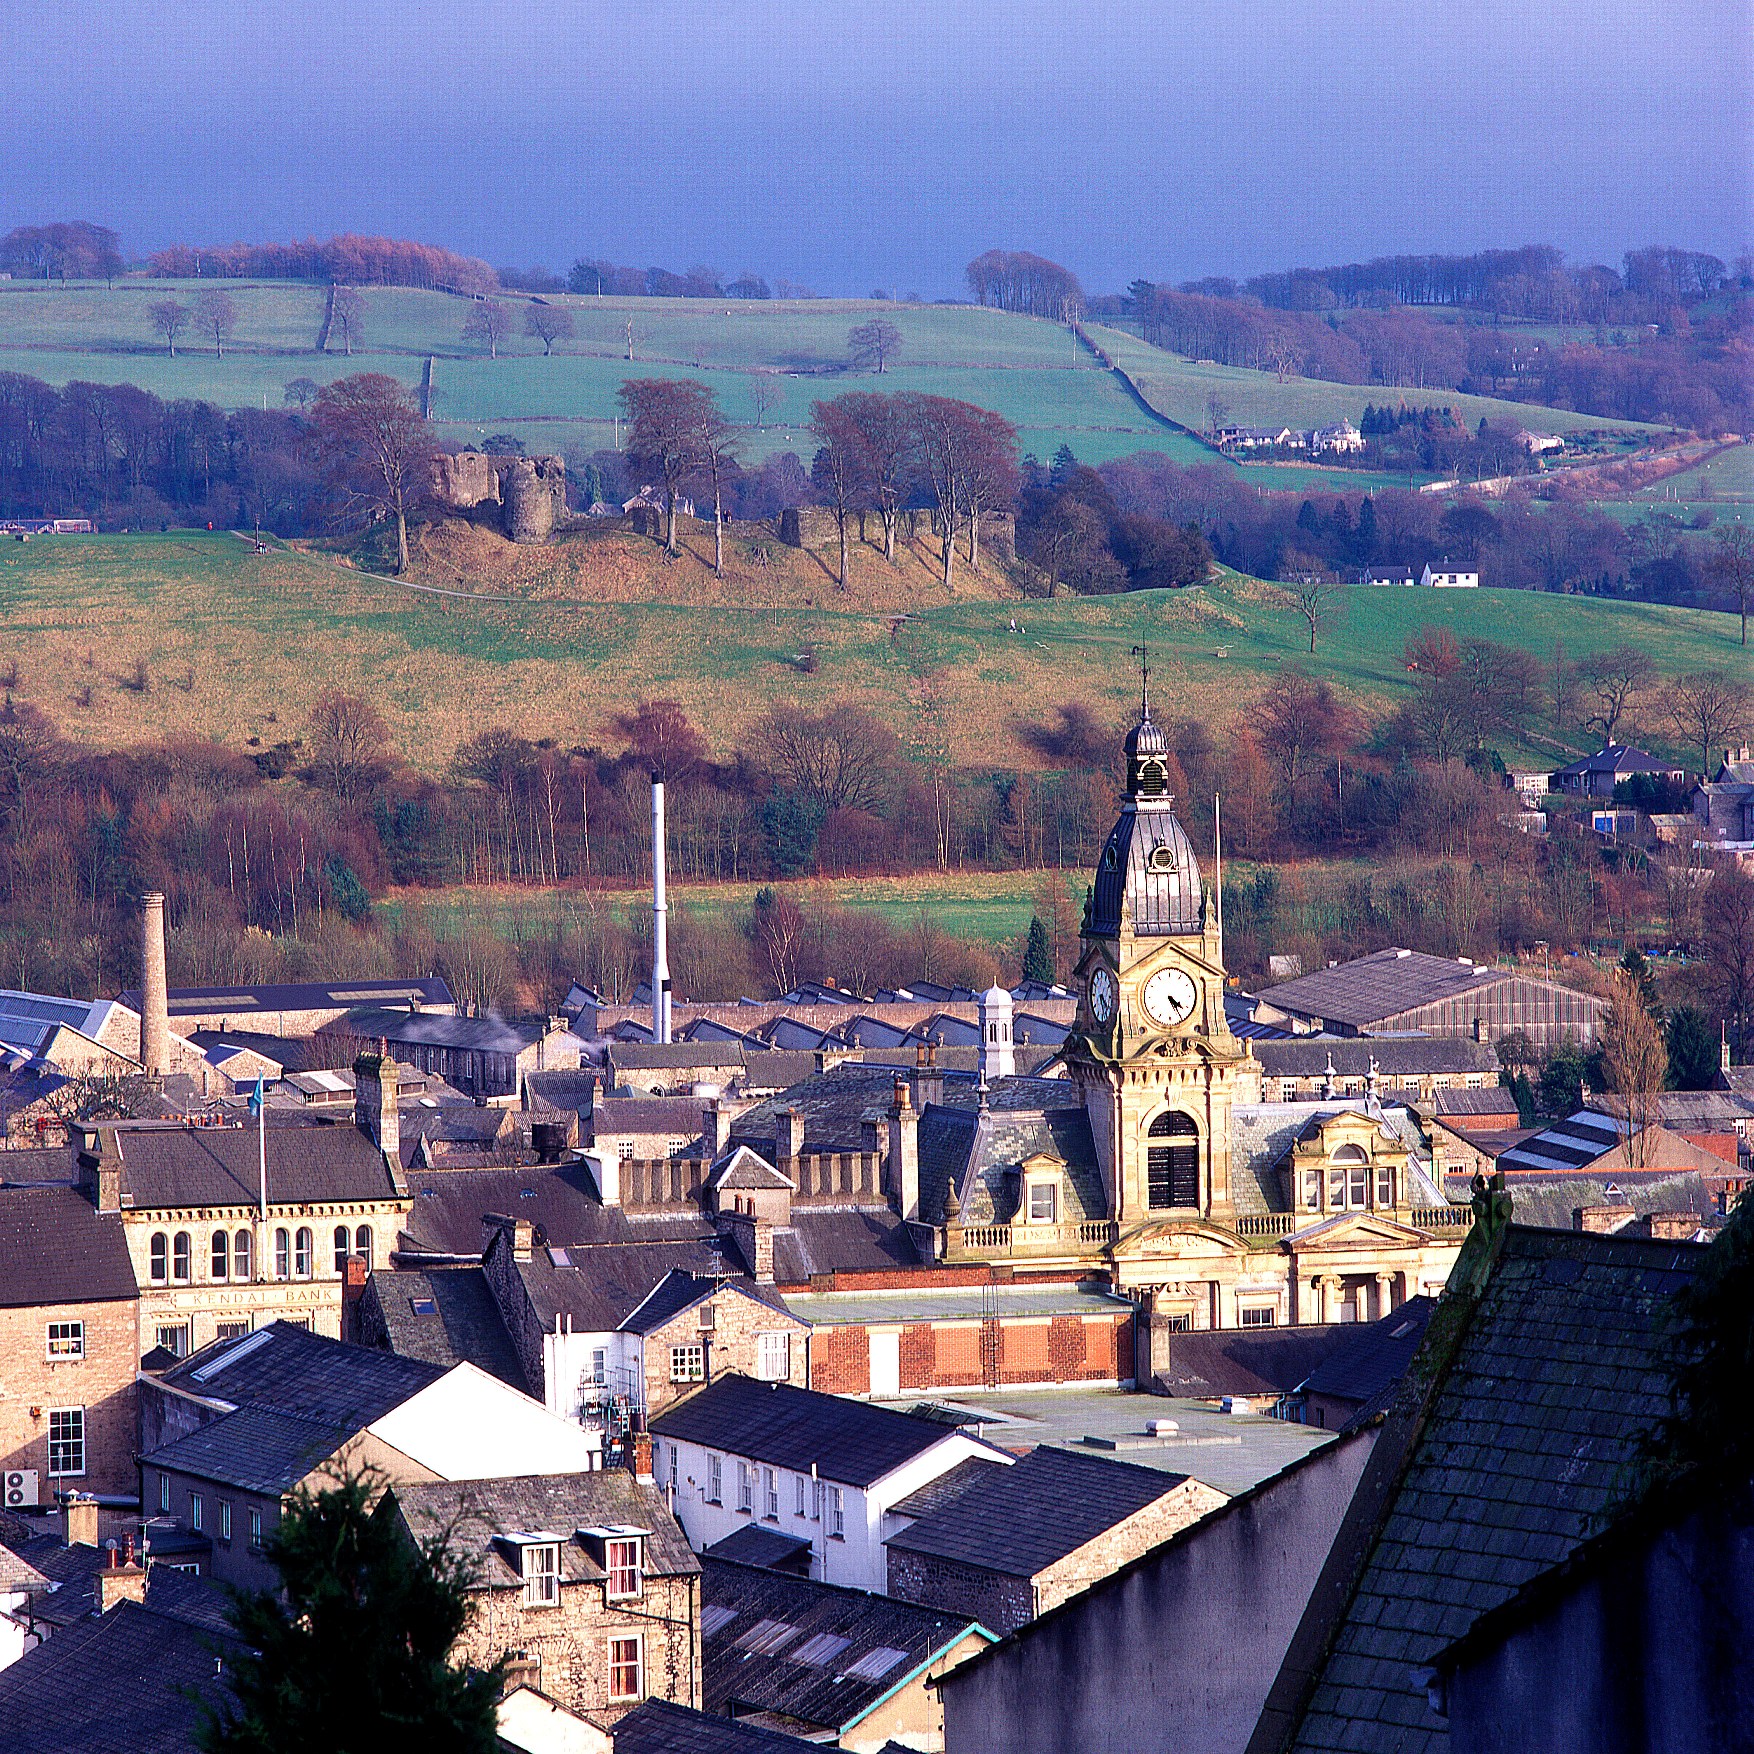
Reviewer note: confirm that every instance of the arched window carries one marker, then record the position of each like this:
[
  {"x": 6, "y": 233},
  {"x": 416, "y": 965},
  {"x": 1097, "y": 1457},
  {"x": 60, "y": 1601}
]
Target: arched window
[
  {"x": 341, "y": 1249},
  {"x": 182, "y": 1257},
  {"x": 1348, "y": 1178},
  {"x": 161, "y": 1257},
  {"x": 304, "y": 1251},
  {"x": 221, "y": 1255},
  {"x": 283, "y": 1254},
  {"x": 1172, "y": 1162},
  {"x": 362, "y": 1245},
  {"x": 240, "y": 1254}
]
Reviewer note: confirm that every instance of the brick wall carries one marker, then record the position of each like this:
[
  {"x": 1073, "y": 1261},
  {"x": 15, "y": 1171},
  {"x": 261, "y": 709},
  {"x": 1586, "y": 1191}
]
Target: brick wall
[
  {"x": 101, "y": 1382},
  {"x": 968, "y": 1354},
  {"x": 840, "y": 1361},
  {"x": 571, "y": 1641}
]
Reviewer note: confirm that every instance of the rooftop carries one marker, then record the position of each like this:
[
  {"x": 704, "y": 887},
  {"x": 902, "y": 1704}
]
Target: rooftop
[
  {"x": 55, "y": 1248},
  {"x": 256, "y": 1449},
  {"x": 1383, "y": 984},
  {"x": 428, "y": 990},
  {"x": 929, "y": 1303},
  {"x": 655, "y": 1726},
  {"x": 446, "y": 1316}
]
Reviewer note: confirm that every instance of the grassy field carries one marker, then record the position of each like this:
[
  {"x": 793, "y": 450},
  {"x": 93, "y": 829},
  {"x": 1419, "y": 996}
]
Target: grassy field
[
  {"x": 1030, "y": 371},
  {"x": 237, "y": 644}
]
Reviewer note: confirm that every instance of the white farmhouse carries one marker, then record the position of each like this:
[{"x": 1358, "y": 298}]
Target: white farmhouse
[{"x": 1448, "y": 574}]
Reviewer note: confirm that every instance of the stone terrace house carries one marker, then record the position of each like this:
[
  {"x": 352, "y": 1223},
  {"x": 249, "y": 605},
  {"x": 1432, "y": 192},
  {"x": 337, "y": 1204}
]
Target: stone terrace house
[
  {"x": 818, "y": 1468},
  {"x": 828, "y": 1664},
  {"x": 1004, "y": 1544},
  {"x": 69, "y": 1348},
  {"x": 585, "y": 1583}
]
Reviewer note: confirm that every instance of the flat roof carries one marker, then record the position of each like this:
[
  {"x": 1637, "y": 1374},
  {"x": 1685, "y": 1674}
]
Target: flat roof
[{"x": 829, "y": 1309}]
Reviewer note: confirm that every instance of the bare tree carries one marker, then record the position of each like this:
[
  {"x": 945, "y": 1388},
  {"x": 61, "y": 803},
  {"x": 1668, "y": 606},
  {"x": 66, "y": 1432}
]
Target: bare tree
[
  {"x": 170, "y": 318},
  {"x": 1217, "y": 413},
  {"x": 102, "y": 1096},
  {"x": 1708, "y": 707},
  {"x": 300, "y": 392},
  {"x": 1732, "y": 565},
  {"x": 1615, "y": 679},
  {"x": 844, "y": 759},
  {"x": 873, "y": 344},
  {"x": 1318, "y": 597},
  {"x": 764, "y": 397},
  {"x": 666, "y": 419},
  {"x": 347, "y": 316},
  {"x": 488, "y": 321},
  {"x": 878, "y": 425},
  {"x": 965, "y": 455},
  {"x": 349, "y": 743},
  {"x": 1729, "y": 948},
  {"x": 1297, "y": 718},
  {"x": 1283, "y": 354},
  {"x": 216, "y": 315},
  {"x": 837, "y": 470},
  {"x": 715, "y": 450},
  {"x": 375, "y": 447},
  {"x": 1636, "y": 1058},
  {"x": 30, "y": 752},
  {"x": 548, "y": 324}
]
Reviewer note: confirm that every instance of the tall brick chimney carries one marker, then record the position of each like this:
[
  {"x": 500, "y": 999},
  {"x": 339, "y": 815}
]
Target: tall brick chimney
[
  {"x": 752, "y": 1236},
  {"x": 904, "y": 1153},
  {"x": 120, "y": 1581},
  {"x": 1601, "y": 1220},
  {"x": 376, "y": 1085},
  {"x": 155, "y": 1026},
  {"x": 99, "y": 1165}
]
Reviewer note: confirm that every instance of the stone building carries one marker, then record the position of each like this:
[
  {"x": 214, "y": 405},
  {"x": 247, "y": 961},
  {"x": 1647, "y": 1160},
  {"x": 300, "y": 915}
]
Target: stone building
[
  {"x": 585, "y": 1584},
  {"x": 69, "y": 1348},
  {"x": 523, "y": 497}
]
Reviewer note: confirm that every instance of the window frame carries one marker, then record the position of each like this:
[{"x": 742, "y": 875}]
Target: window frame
[
  {"x": 715, "y": 1478},
  {"x": 1172, "y": 1162},
  {"x": 243, "y": 1253},
  {"x": 219, "y": 1255},
  {"x": 627, "y": 1667},
  {"x": 282, "y": 1253},
  {"x": 837, "y": 1514},
  {"x": 158, "y": 1255},
  {"x": 770, "y": 1494},
  {"x": 624, "y": 1569},
  {"x": 539, "y": 1569},
  {"x": 1047, "y": 1193},
  {"x": 343, "y": 1240},
  {"x": 304, "y": 1253},
  {"x": 745, "y": 1489},
  {"x": 365, "y": 1245},
  {"x": 225, "y": 1521},
  {"x": 1259, "y": 1311},
  {"x": 767, "y": 1343},
  {"x": 688, "y": 1363},
  {"x": 164, "y": 1495},
  {"x": 197, "y": 1513},
  {"x": 257, "y": 1543},
  {"x": 182, "y": 1258},
  {"x": 66, "y": 1346}
]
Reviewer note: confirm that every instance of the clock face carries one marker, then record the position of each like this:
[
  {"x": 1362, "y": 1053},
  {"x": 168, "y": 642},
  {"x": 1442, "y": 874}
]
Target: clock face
[
  {"x": 1103, "y": 993},
  {"x": 1170, "y": 996}
]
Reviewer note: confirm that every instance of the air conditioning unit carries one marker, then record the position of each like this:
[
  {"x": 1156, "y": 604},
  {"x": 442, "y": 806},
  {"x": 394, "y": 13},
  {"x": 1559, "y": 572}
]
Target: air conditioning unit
[{"x": 23, "y": 1488}]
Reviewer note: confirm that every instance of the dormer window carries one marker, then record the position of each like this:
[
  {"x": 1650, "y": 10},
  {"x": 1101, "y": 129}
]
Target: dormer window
[
  {"x": 539, "y": 1567},
  {"x": 1044, "y": 1203},
  {"x": 620, "y": 1549},
  {"x": 1162, "y": 858},
  {"x": 1348, "y": 1178}
]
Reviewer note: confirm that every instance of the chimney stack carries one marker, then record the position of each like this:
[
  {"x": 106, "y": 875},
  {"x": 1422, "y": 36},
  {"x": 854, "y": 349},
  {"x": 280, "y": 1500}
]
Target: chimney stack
[
  {"x": 904, "y": 1153},
  {"x": 100, "y": 1165},
  {"x": 120, "y": 1581},
  {"x": 639, "y": 1444},
  {"x": 155, "y": 1026},
  {"x": 788, "y": 1133},
  {"x": 376, "y": 1086},
  {"x": 80, "y": 1520},
  {"x": 928, "y": 1079},
  {"x": 1601, "y": 1220},
  {"x": 660, "y": 921}
]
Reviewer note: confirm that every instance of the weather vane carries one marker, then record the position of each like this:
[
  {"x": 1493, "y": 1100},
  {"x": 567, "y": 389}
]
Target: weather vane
[{"x": 1143, "y": 654}]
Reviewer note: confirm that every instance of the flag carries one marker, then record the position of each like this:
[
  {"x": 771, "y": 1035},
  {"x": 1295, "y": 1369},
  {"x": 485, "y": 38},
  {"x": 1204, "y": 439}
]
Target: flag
[{"x": 258, "y": 1099}]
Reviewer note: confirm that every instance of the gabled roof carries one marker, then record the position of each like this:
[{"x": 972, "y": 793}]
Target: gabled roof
[
  {"x": 1523, "y": 1439},
  {"x": 1617, "y": 758},
  {"x": 600, "y": 1288},
  {"x": 55, "y": 1248},
  {"x": 446, "y": 1316},
  {"x": 315, "y": 1162},
  {"x": 1026, "y": 1517},
  {"x": 1495, "y": 1100},
  {"x": 1211, "y": 1363},
  {"x": 745, "y": 1167},
  {"x": 655, "y": 1726},
  {"x": 679, "y": 1290},
  {"x": 850, "y": 1442},
  {"x": 811, "y": 1651},
  {"x": 1383, "y": 984},
  {"x": 300, "y": 996},
  {"x": 255, "y": 1449},
  {"x": 755, "y": 1544},
  {"x": 1371, "y": 1359},
  {"x": 1402, "y": 1056}
]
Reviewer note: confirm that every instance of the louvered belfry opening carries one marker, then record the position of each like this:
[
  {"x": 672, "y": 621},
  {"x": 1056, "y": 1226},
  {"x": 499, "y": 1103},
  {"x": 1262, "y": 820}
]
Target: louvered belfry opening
[{"x": 1172, "y": 1163}]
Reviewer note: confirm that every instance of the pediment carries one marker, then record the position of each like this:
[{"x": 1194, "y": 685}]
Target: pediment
[
  {"x": 1181, "y": 1239},
  {"x": 1355, "y": 1230}
]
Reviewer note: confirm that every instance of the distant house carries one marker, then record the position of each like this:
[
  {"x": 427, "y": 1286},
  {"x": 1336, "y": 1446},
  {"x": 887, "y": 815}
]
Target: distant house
[
  {"x": 1390, "y": 575},
  {"x": 1341, "y": 436},
  {"x": 1596, "y": 776},
  {"x": 1539, "y": 443},
  {"x": 1259, "y": 438},
  {"x": 1450, "y": 575},
  {"x": 653, "y": 499},
  {"x": 1724, "y": 804}
]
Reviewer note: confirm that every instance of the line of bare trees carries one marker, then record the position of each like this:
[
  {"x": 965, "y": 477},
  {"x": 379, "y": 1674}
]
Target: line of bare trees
[{"x": 1015, "y": 280}]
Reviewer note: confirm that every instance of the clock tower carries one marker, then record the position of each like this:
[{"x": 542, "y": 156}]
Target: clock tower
[{"x": 1152, "y": 1054}]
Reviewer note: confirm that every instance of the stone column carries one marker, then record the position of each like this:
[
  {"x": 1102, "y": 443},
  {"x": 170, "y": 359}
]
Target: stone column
[
  {"x": 1385, "y": 1294},
  {"x": 1331, "y": 1288}
]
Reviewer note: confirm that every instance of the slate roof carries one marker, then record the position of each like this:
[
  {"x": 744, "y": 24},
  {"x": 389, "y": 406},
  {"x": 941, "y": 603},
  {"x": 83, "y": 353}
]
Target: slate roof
[
  {"x": 56, "y": 1249},
  {"x": 1522, "y": 1449},
  {"x": 1554, "y": 1202},
  {"x": 298, "y": 996},
  {"x": 859, "y": 1239},
  {"x": 116, "y": 1685},
  {"x": 1616, "y": 758},
  {"x": 681, "y": 1116},
  {"x": 600, "y": 1288},
  {"x": 1211, "y": 1363},
  {"x": 1262, "y": 1134},
  {"x": 1163, "y": 898},
  {"x": 850, "y": 1442},
  {"x": 967, "y": 1476},
  {"x": 475, "y": 1512},
  {"x": 1383, "y": 984},
  {"x": 1492, "y": 1101},
  {"x": 463, "y": 1324},
  {"x": 255, "y": 1449},
  {"x": 1035, "y": 1512},
  {"x": 832, "y": 1104},
  {"x": 319, "y": 1161},
  {"x": 754, "y": 1544},
  {"x": 981, "y": 1151},
  {"x": 1396, "y": 1056},
  {"x": 1370, "y": 1359},
  {"x": 679, "y": 1290},
  {"x": 811, "y": 1677},
  {"x": 655, "y": 1726},
  {"x": 291, "y": 1370},
  {"x": 437, "y": 1029}
]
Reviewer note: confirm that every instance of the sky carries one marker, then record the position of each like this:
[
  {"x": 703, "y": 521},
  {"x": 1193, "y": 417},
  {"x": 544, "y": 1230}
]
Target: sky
[{"x": 852, "y": 145}]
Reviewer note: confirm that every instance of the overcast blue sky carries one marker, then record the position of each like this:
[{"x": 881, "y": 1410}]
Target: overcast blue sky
[{"x": 882, "y": 144}]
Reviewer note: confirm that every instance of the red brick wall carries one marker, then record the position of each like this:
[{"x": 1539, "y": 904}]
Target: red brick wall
[
  {"x": 946, "y": 1356},
  {"x": 840, "y": 1361}
]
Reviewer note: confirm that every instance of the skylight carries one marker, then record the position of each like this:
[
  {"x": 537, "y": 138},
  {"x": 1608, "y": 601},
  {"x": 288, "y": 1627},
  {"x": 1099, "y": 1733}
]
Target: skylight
[
  {"x": 423, "y": 1306},
  {"x": 875, "y": 1664},
  {"x": 715, "y": 1619},
  {"x": 821, "y": 1650},
  {"x": 766, "y": 1637}
]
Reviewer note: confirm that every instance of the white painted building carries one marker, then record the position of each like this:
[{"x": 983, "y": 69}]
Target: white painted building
[{"x": 1450, "y": 575}]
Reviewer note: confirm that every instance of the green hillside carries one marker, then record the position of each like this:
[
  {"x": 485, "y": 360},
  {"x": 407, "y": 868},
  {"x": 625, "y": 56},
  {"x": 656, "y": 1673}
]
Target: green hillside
[
  {"x": 1032, "y": 372},
  {"x": 237, "y": 644}
]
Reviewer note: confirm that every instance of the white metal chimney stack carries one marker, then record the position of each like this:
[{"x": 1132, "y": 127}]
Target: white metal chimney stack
[{"x": 660, "y": 921}]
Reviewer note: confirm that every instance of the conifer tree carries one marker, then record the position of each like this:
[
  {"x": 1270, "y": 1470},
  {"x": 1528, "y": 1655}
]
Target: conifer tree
[{"x": 1038, "y": 956}]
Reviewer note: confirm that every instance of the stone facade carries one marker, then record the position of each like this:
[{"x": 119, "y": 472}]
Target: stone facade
[
  {"x": 525, "y": 497},
  {"x": 99, "y": 1384},
  {"x": 732, "y": 1341}
]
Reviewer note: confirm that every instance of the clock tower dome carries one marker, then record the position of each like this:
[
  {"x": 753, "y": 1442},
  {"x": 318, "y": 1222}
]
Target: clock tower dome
[{"x": 1152, "y": 1053}]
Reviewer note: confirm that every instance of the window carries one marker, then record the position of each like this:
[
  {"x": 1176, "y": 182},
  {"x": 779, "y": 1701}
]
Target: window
[
  {"x": 541, "y": 1572},
  {"x": 1179, "y": 1324},
  {"x": 1044, "y": 1203},
  {"x": 66, "y": 1340},
  {"x": 242, "y": 1249},
  {"x": 225, "y": 1520},
  {"x": 197, "y": 1512},
  {"x": 688, "y": 1364},
  {"x": 1256, "y": 1318},
  {"x": 715, "y": 1479},
  {"x": 803, "y": 1499},
  {"x": 745, "y": 1488},
  {"x": 599, "y": 1373},
  {"x": 773, "y": 1357},
  {"x": 875, "y": 1664},
  {"x": 1348, "y": 1178},
  {"x": 624, "y": 1151},
  {"x": 161, "y": 1257},
  {"x": 182, "y": 1258},
  {"x": 220, "y": 1255},
  {"x": 255, "y": 1529},
  {"x": 304, "y": 1249},
  {"x": 174, "y": 1338},
  {"x": 164, "y": 1494},
  {"x": 673, "y": 1467},
  {"x": 837, "y": 1514},
  {"x": 1172, "y": 1162},
  {"x": 230, "y": 1330},
  {"x": 1385, "y": 1185},
  {"x": 1312, "y": 1188},
  {"x": 625, "y": 1678},
  {"x": 770, "y": 1495},
  {"x": 283, "y": 1254},
  {"x": 621, "y": 1560},
  {"x": 362, "y": 1244},
  {"x": 821, "y": 1650},
  {"x": 818, "y": 1496},
  {"x": 343, "y": 1248}
]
